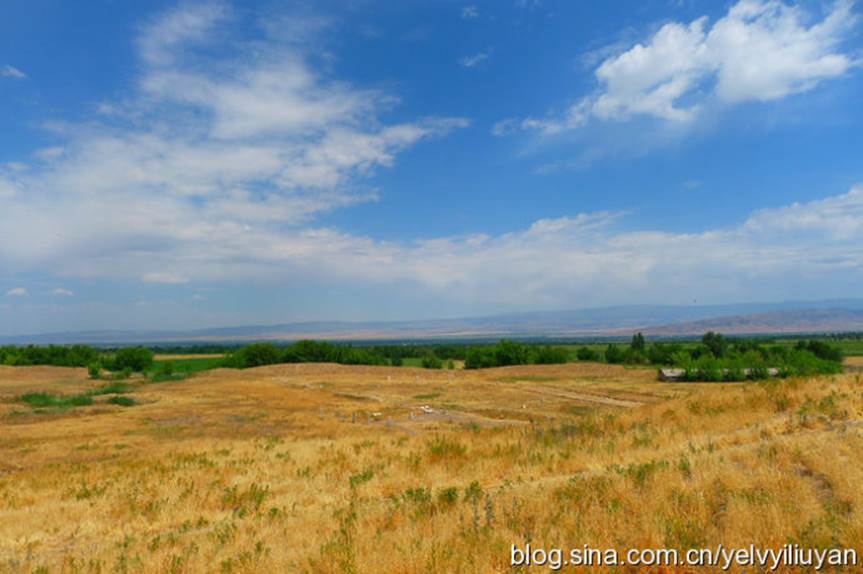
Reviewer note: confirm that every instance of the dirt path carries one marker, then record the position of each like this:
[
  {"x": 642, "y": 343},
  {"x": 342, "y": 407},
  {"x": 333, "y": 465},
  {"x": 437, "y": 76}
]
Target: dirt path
[{"x": 587, "y": 398}]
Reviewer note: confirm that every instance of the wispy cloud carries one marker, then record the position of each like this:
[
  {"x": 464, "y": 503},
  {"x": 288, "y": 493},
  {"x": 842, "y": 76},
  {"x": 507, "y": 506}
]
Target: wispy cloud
[
  {"x": 63, "y": 292},
  {"x": 207, "y": 158},
  {"x": 165, "y": 278},
  {"x": 761, "y": 50},
  {"x": 475, "y": 59},
  {"x": 17, "y": 292},
  {"x": 217, "y": 171},
  {"x": 9, "y": 71},
  {"x": 470, "y": 12}
]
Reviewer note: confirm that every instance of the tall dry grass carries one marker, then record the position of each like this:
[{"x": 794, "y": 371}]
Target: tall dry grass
[{"x": 333, "y": 469}]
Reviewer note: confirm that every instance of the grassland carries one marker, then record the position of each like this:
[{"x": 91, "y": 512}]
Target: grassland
[
  {"x": 188, "y": 364},
  {"x": 354, "y": 469}
]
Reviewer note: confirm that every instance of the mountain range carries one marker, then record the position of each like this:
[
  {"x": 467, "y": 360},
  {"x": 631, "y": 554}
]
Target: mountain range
[{"x": 618, "y": 321}]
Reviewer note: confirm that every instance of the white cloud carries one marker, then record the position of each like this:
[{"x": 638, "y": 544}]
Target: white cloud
[
  {"x": 49, "y": 153},
  {"x": 17, "y": 292},
  {"x": 474, "y": 60},
  {"x": 205, "y": 158},
  {"x": 839, "y": 217},
  {"x": 470, "y": 12},
  {"x": 173, "y": 32},
  {"x": 173, "y": 186},
  {"x": 8, "y": 187},
  {"x": 165, "y": 278},
  {"x": 761, "y": 50},
  {"x": 8, "y": 71},
  {"x": 62, "y": 292}
]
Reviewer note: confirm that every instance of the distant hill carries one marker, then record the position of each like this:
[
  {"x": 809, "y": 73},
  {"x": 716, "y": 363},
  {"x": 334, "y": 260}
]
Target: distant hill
[
  {"x": 791, "y": 321},
  {"x": 657, "y": 320}
]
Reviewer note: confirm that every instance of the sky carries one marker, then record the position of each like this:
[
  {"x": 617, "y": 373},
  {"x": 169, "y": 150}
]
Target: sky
[{"x": 174, "y": 165}]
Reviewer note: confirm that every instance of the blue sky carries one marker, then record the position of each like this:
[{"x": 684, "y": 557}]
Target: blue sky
[{"x": 178, "y": 165}]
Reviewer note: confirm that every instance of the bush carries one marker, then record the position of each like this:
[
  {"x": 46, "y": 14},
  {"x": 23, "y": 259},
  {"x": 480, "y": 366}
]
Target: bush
[
  {"x": 821, "y": 350},
  {"x": 123, "y": 401},
  {"x": 430, "y": 361},
  {"x": 586, "y": 354},
  {"x": 255, "y": 355},
  {"x": 546, "y": 355},
  {"x": 44, "y": 400},
  {"x": 707, "y": 368},
  {"x": 136, "y": 359},
  {"x": 479, "y": 358},
  {"x": 94, "y": 370},
  {"x": 662, "y": 354},
  {"x": 614, "y": 354},
  {"x": 510, "y": 353}
]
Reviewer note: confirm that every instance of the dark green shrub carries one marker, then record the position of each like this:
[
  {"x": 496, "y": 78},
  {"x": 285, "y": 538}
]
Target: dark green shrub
[
  {"x": 586, "y": 354},
  {"x": 123, "y": 401},
  {"x": 254, "y": 355},
  {"x": 136, "y": 359},
  {"x": 510, "y": 353},
  {"x": 111, "y": 389},
  {"x": 45, "y": 400},
  {"x": 430, "y": 361},
  {"x": 480, "y": 358},
  {"x": 94, "y": 370},
  {"x": 614, "y": 354},
  {"x": 547, "y": 355}
]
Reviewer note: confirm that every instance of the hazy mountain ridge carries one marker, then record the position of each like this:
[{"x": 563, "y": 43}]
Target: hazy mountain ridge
[
  {"x": 794, "y": 321},
  {"x": 657, "y": 320}
]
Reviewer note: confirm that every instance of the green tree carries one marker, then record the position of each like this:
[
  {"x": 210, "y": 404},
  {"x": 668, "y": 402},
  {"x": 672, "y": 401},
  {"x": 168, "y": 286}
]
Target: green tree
[
  {"x": 547, "y": 355},
  {"x": 254, "y": 355},
  {"x": 715, "y": 343},
  {"x": 586, "y": 354},
  {"x": 431, "y": 361},
  {"x": 136, "y": 359},
  {"x": 510, "y": 353},
  {"x": 614, "y": 354},
  {"x": 638, "y": 345}
]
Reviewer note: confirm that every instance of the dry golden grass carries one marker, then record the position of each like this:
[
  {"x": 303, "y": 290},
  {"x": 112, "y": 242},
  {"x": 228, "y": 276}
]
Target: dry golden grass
[
  {"x": 854, "y": 362},
  {"x": 327, "y": 468}
]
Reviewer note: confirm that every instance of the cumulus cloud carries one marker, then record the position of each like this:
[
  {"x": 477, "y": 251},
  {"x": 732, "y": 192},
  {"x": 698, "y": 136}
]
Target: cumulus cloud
[
  {"x": 8, "y": 71},
  {"x": 761, "y": 50},
  {"x": 213, "y": 172},
  {"x": 17, "y": 292},
  {"x": 206, "y": 156}
]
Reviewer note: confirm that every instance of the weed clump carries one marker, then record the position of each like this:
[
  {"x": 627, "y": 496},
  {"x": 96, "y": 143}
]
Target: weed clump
[
  {"x": 48, "y": 400},
  {"x": 123, "y": 401}
]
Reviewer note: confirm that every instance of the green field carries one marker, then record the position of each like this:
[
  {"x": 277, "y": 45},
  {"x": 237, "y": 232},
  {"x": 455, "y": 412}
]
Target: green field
[{"x": 190, "y": 366}]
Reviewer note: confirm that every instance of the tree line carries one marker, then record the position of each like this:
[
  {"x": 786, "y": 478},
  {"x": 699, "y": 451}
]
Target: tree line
[
  {"x": 719, "y": 358},
  {"x": 136, "y": 359},
  {"x": 713, "y": 357}
]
